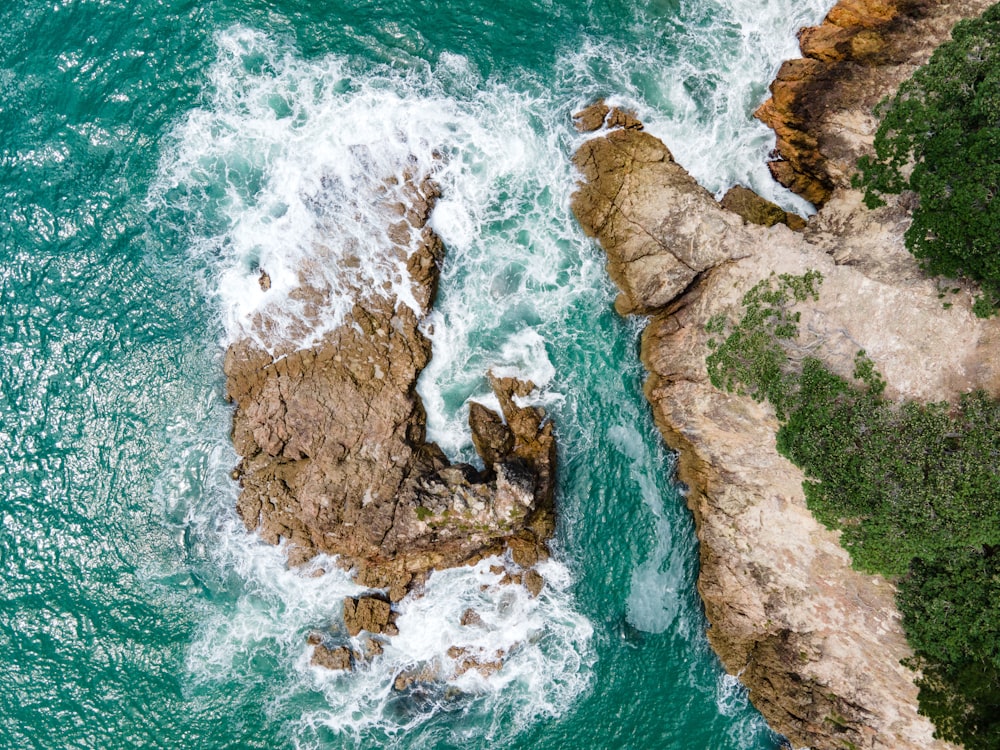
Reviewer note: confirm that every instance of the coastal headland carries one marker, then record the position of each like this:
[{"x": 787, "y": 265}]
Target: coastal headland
[{"x": 818, "y": 644}]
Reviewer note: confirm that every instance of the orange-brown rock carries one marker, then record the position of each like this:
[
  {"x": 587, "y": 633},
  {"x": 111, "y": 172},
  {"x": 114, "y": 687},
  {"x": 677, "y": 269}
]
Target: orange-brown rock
[{"x": 821, "y": 104}]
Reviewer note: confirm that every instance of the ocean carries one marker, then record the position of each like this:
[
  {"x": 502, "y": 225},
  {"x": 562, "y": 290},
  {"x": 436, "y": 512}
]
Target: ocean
[{"x": 153, "y": 155}]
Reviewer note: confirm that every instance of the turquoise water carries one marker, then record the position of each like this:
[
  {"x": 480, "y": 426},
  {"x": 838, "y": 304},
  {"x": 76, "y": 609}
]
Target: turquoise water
[{"x": 151, "y": 154}]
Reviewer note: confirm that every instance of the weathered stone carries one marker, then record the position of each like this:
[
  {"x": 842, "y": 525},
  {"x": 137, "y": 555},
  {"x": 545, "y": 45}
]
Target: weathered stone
[
  {"x": 756, "y": 210},
  {"x": 368, "y": 613},
  {"x": 821, "y": 105},
  {"x": 492, "y": 439},
  {"x": 471, "y": 618},
  {"x": 592, "y": 118},
  {"x": 332, "y": 438},
  {"x": 332, "y": 658},
  {"x": 534, "y": 582}
]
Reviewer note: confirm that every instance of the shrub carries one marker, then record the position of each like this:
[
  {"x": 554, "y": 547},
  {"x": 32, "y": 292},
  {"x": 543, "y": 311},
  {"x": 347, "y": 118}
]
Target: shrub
[
  {"x": 940, "y": 137},
  {"x": 915, "y": 489}
]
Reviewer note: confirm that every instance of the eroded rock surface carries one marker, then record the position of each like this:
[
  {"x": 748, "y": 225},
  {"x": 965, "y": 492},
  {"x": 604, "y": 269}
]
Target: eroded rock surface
[
  {"x": 333, "y": 440},
  {"x": 821, "y": 104},
  {"x": 818, "y": 644}
]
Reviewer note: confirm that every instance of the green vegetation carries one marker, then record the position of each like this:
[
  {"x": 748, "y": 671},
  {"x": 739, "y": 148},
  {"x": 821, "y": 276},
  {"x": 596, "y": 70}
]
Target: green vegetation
[
  {"x": 915, "y": 489},
  {"x": 940, "y": 137}
]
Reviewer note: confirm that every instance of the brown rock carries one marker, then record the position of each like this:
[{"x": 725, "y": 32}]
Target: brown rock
[
  {"x": 471, "y": 618},
  {"x": 620, "y": 118},
  {"x": 810, "y": 636},
  {"x": 426, "y": 674},
  {"x": 591, "y": 118},
  {"x": 264, "y": 280},
  {"x": 332, "y": 438},
  {"x": 821, "y": 105},
  {"x": 757, "y": 210},
  {"x": 368, "y": 613},
  {"x": 534, "y": 582},
  {"x": 332, "y": 658},
  {"x": 492, "y": 438}
]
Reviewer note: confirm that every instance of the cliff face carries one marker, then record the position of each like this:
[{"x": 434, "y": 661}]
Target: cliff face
[
  {"x": 821, "y": 104},
  {"x": 332, "y": 437},
  {"x": 818, "y": 644}
]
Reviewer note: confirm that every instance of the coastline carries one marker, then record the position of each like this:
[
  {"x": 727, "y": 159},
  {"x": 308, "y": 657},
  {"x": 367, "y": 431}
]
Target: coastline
[{"x": 817, "y": 643}]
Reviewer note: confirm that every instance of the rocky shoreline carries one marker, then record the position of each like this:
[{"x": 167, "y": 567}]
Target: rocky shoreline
[
  {"x": 334, "y": 456},
  {"x": 818, "y": 644},
  {"x": 821, "y": 104}
]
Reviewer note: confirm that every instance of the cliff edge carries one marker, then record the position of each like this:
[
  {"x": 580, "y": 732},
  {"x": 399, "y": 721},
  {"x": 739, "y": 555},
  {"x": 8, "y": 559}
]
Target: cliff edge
[{"x": 821, "y": 104}]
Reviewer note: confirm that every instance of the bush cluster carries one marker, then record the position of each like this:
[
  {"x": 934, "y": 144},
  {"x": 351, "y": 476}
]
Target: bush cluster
[
  {"x": 940, "y": 137},
  {"x": 914, "y": 488}
]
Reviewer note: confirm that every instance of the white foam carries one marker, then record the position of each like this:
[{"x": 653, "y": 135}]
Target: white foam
[
  {"x": 544, "y": 645},
  {"x": 657, "y": 585}
]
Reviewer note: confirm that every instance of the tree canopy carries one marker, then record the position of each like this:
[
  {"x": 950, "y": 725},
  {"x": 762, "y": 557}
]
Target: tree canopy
[{"x": 940, "y": 137}]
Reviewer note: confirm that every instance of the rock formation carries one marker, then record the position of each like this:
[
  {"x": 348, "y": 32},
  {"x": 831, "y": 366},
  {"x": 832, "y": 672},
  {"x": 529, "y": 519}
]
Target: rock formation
[
  {"x": 817, "y": 643},
  {"x": 332, "y": 439},
  {"x": 821, "y": 104}
]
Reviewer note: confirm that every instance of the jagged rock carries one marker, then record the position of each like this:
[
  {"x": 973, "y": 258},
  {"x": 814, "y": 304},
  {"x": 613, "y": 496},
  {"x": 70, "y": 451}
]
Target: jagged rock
[
  {"x": 373, "y": 648},
  {"x": 818, "y": 644},
  {"x": 368, "y": 613},
  {"x": 264, "y": 280},
  {"x": 821, "y": 104},
  {"x": 333, "y": 439},
  {"x": 472, "y": 660},
  {"x": 408, "y": 678},
  {"x": 332, "y": 658},
  {"x": 618, "y": 203},
  {"x": 592, "y": 118},
  {"x": 534, "y": 582},
  {"x": 471, "y": 618},
  {"x": 492, "y": 438},
  {"x": 756, "y": 210}
]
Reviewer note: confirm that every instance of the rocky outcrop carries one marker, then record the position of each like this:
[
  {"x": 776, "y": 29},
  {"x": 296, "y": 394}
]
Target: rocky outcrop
[
  {"x": 821, "y": 104},
  {"x": 817, "y": 643},
  {"x": 334, "y": 456}
]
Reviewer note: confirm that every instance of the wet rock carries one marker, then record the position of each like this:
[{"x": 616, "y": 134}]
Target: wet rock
[
  {"x": 471, "y": 618},
  {"x": 332, "y": 438},
  {"x": 339, "y": 658},
  {"x": 264, "y": 280},
  {"x": 492, "y": 438},
  {"x": 592, "y": 118},
  {"x": 368, "y": 613},
  {"x": 426, "y": 674},
  {"x": 757, "y": 210},
  {"x": 534, "y": 582}
]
